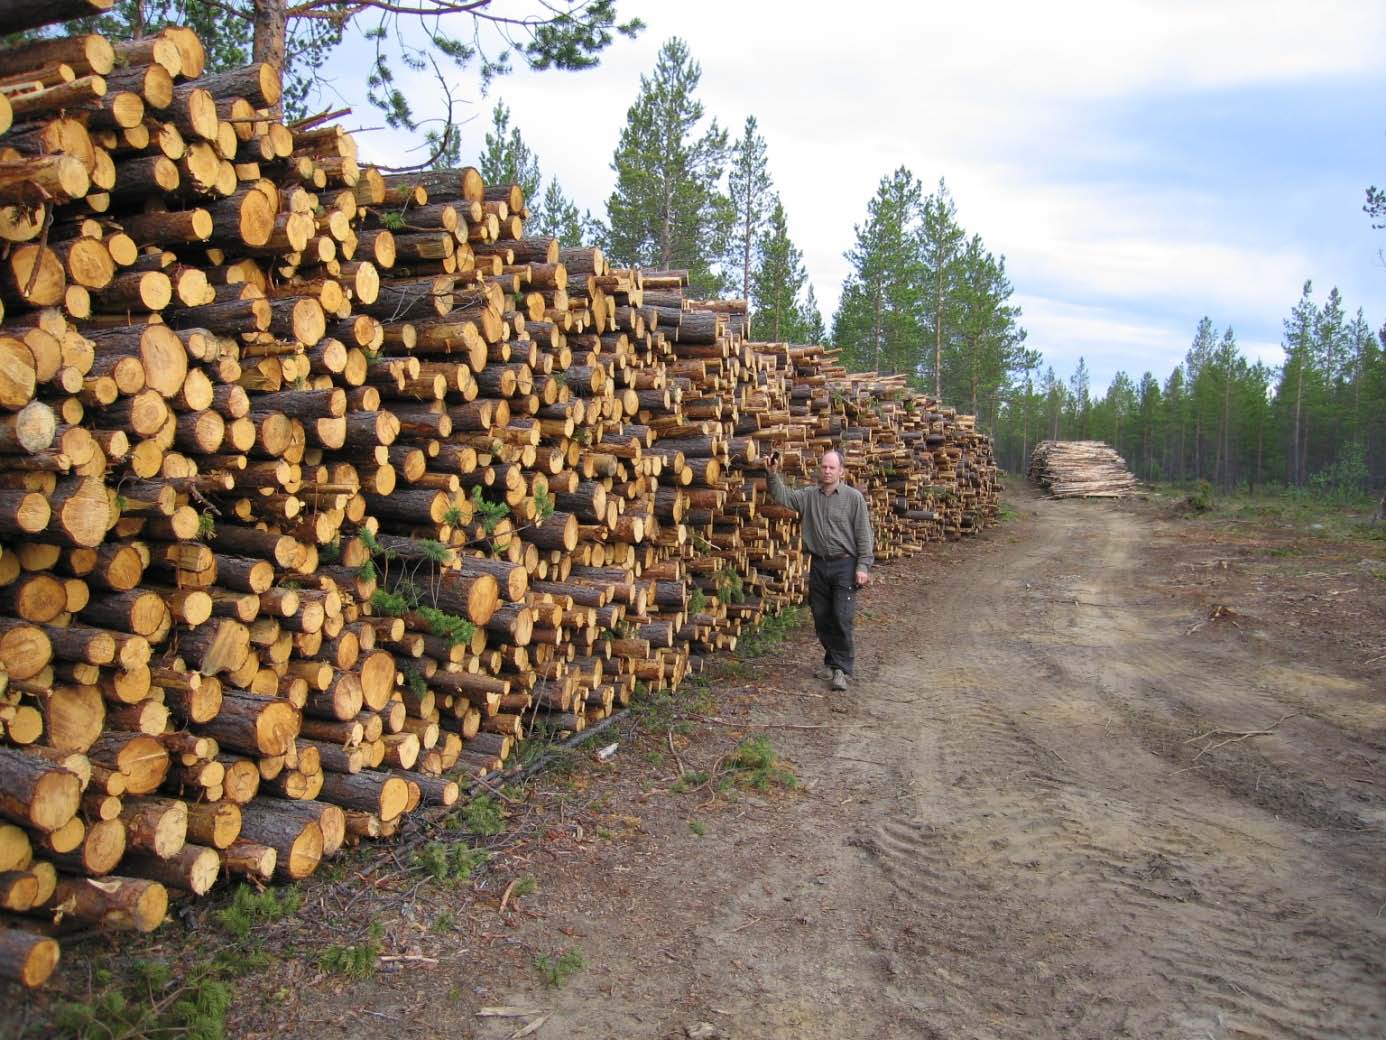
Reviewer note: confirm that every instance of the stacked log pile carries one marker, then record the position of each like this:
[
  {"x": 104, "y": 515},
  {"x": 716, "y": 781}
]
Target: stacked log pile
[
  {"x": 1081, "y": 469},
  {"x": 321, "y": 490}
]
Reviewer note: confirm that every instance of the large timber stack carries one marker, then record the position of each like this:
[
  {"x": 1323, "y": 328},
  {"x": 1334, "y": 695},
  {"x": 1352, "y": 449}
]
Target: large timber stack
[
  {"x": 321, "y": 490},
  {"x": 1081, "y": 469}
]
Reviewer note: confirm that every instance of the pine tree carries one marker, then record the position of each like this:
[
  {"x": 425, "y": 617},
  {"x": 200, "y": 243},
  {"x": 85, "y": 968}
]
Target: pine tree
[
  {"x": 507, "y": 159},
  {"x": 984, "y": 347},
  {"x": 1112, "y": 416},
  {"x": 1055, "y": 400},
  {"x": 941, "y": 248},
  {"x": 1226, "y": 370},
  {"x": 1256, "y": 420},
  {"x": 812, "y": 318},
  {"x": 877, "y": 323},
  {"x": 1080, "y": 385},
  {"x": 557, "y": 217},
  {"x": 752, "y": 198},
  {"x": 1028, "y": 362},
  {"x": 1360, "y": 341},
  {"x": 667, "y": 210},
  {"x": 1373, "y": 406},
  {"x": 1298, "y": 378},
  {"x": 1176, "y": 416},
  {"x": 779, "y": 278},
  {"x": 1201, "y": 402},
  {"x": 1148, "y": 407},
  {"x": 1333, "y": 358}
]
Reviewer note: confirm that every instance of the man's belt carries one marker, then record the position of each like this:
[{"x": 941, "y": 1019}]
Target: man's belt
[{"x": 830, "y": 559}]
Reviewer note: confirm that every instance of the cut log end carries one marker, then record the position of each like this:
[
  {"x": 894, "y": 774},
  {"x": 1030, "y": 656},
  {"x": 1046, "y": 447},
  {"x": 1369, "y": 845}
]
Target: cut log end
[{"x": 27, "y": 958}]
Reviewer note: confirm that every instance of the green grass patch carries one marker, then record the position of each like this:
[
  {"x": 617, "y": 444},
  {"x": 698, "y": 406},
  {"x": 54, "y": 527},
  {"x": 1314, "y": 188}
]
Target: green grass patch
[
  {"x": 448, "y": 863},
  {"x": 151, "y": 1003},
  {"x": 770, "y": 633},
  {"x": 356, "y": 961},
  {"x": 446, "y": 921},
  {"x": 250, "y": 907},
  {"x": 1306, "y": 511},
  {"x": 755, "y": 763},
  {"x": 1200, "y": 499},
  {"x": 690, "y": 781},
  {"x": 555, "y": 971},
  {"x": 654, "y": 709},
  {"x": 483, "y": 815},
  {"x": 698, "y": 827}
]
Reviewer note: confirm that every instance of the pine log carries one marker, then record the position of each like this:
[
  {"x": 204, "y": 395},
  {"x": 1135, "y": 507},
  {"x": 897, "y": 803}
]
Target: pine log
[
  {"x": 253, "y": 725},
  {"x": 298, "y": 842},
  {"x": 193, "y": 868},
  {"x": 113, "y": 902},
  {"x": 35, "y": 792},
  {"x": 373, "y": 792},
  {"x": 27, "y": 958}
]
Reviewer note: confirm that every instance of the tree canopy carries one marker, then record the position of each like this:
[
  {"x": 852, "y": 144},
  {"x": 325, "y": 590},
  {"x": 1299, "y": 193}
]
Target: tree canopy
[
  {"x": 778, "y": 284},
  {"x": 300, "y": 38},
  {"x": 507, "y": 159},
  {"x": 1318, "y": 421},
  {"x": 668, "y": 209},
  {"x": 751, "y": 193}
]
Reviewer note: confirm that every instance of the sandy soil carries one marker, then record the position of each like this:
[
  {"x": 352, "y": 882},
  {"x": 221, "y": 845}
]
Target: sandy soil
[{"x": 1042, "y": 816}]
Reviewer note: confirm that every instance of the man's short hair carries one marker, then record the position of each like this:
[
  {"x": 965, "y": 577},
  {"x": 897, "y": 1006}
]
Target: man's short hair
[{"x": 833, "y": 451}]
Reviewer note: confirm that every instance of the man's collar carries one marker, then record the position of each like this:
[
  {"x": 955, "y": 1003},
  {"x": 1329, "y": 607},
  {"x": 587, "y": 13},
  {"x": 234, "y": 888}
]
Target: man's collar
[{"x": 836, "y": 488}]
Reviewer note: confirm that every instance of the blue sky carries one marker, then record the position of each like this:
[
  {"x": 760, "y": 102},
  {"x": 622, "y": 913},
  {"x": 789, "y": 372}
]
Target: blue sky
[{"x": 1139, "y": 164}]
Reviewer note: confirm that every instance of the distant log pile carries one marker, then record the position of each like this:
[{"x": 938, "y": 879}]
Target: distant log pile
[
  {"x": 1081, "y": 469},
  {"x": 321, "y": 490}
]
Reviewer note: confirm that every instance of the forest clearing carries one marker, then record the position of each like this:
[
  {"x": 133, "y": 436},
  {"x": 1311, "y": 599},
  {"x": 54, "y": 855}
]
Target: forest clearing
[
  {"x": 1112, "y": 769},
  {"x": 403, "y": 624}
]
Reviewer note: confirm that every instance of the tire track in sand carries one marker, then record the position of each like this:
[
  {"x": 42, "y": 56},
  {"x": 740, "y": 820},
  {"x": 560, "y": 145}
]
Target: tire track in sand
[{"x": 1049, "y": 853}]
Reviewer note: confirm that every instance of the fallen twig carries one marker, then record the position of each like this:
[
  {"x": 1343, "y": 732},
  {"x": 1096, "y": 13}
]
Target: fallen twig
[
  {"x": 669, "y": 735},
  {"x": 509, "y": 1011},
  {"x": 505, "y": 896},
  {"x": 1235, "y": 736},
  {"x": 1218, "y": 613},
  {"x": 530, "y": 1029},
  {"x": 756, "y": 725}
]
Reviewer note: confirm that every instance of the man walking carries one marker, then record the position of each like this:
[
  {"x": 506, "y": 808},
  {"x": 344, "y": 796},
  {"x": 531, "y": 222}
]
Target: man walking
[{"x": 836, "y": 530}]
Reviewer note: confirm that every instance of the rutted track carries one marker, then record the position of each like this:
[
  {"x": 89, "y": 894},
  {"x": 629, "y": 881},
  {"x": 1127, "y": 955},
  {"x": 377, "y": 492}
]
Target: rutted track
[{"x": 1081, "y": 871}]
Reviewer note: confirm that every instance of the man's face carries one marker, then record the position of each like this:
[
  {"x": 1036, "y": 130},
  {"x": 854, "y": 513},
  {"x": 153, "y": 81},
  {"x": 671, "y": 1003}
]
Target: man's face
[{"x": 829, "y": 470}]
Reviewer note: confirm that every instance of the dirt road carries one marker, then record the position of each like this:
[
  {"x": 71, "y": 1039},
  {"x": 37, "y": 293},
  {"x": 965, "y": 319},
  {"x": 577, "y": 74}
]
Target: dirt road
[{"x": 1042, "y": 820}]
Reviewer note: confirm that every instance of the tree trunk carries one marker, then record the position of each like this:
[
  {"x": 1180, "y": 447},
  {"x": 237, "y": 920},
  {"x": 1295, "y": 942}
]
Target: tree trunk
[{"x": 270, "y": 25}]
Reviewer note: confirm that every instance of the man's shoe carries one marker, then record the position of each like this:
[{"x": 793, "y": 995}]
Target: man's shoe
[
  {"x": 825, "y": 673},
  {"x": 839, "y": 680}
]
